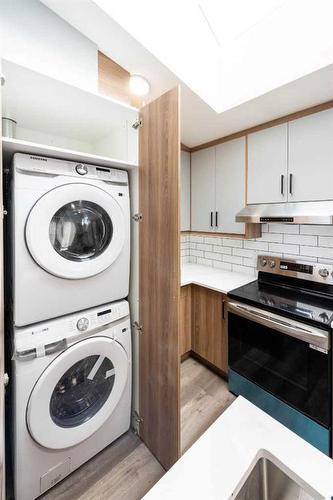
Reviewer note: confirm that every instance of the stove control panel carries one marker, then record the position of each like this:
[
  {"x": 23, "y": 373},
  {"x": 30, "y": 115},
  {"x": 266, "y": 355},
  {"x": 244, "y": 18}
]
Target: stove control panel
[{"x": 321, "y": 273}]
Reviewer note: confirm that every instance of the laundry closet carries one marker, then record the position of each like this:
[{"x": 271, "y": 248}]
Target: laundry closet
[{"x": 91, "y": 279}]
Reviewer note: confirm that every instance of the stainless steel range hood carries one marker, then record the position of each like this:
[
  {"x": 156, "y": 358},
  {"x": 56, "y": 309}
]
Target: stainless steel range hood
[{"x": 317, "y": 212}]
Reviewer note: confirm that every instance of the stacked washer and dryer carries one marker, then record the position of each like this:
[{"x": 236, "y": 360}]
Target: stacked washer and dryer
[{"x": 70, "y": 231}]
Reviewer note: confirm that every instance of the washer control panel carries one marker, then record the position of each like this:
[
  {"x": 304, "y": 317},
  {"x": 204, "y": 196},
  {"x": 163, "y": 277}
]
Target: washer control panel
[
  {"x": 70, "y": 327},
  {"x": 40, "y": 164},
  {"x": 321, "y": 273}
]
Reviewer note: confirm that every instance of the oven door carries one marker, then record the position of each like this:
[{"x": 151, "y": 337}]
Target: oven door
[{"x": 289, "y": 359}]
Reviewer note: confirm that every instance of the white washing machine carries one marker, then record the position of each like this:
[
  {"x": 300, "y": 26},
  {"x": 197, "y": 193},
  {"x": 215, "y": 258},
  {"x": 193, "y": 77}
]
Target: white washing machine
[
  {"x": 71, "y": 237},
  {"x": 72, "y": 393}
]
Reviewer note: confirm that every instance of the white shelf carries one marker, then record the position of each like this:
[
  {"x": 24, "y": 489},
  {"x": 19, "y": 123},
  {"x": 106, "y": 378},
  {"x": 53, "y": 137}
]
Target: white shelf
[
  {"x": 49, "y": 111},
  {"x": 11, "y": 146}
]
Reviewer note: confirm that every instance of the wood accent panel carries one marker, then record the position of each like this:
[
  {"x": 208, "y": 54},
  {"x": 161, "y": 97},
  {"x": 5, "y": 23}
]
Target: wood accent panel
[
  {"x": 159, "y": 276},
  {"x": 251, "y": 231},
  {"x": 185, "y": 322},
  {"x": 183, "y": 147},
  {"x": 277, "y": 121},
  {"x": 113, "y": 81},
  {"x": 209, "y": 336}
]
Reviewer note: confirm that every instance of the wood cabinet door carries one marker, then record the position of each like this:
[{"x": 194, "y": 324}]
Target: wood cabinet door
[
  {"x": 159, "y": 277},
  {"x": 203, "y": 190},
  {"x": 209, "y": 337},
  {"x": 185, "y": 214},
  {"x": 230, "y": 185},
  {"x": 311, "y": 157},
  {"x": 267, "y": 165},
  {"x": 185, "y": 322}
]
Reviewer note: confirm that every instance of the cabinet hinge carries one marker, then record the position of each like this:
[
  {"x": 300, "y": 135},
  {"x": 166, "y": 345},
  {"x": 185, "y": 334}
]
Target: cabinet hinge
[
  {"x": 137, "y": 417},
  {"x": 4, "y": 212},
  {"x": 138, "y": 327},
  {"x": 2, "y": 79},
  {"x": 137, "y": 217},
  {"x": 137, "y": 124}
]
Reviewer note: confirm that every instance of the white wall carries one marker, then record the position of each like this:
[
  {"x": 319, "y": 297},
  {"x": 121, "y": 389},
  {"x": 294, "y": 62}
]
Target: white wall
[{"x": 33, "y": 36}]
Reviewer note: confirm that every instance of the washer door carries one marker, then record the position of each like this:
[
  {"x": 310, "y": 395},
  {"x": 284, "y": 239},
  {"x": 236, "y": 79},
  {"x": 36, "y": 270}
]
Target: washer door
[
  {"x": 75, "y": 231},
  {"x": 77, "y": 392}
]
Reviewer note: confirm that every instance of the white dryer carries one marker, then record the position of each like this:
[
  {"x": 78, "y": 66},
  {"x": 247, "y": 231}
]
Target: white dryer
[
  {"x": 71, "y": 237},
  {"x": 72, "y": 393}
]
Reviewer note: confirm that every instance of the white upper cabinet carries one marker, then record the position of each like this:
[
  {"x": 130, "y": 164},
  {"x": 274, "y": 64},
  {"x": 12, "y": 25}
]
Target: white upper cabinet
[
  {"x": 230, "y": 185},
  {"x": 203, "y": 189},
  {"x": 185, "y": 219},
  {"x": 311, "y": 157},
  {"x": 267, "y": 165}
]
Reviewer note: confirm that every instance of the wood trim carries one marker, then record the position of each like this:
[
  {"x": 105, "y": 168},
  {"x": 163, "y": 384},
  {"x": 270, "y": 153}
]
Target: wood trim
[
  {"x": 113, "y": 81},
  {"x": 185, "y": 356},
  {"x": 209, "y": 365},
  {"x": 183, "y": 147},
  {"x": 272, "y": 123},
  {"x": 185, "y": 321},
  {"x": 159, "y": 277},
  {"x": 251, "y": 231}
]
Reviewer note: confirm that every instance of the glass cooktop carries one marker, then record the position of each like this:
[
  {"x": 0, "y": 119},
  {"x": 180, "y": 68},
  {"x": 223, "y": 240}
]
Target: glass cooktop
[{"x": 294, "y": 302}]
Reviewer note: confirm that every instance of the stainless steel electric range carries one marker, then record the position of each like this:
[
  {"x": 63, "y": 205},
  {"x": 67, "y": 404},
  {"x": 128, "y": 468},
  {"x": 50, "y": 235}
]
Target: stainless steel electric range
[{"x": 279, "y": 330}]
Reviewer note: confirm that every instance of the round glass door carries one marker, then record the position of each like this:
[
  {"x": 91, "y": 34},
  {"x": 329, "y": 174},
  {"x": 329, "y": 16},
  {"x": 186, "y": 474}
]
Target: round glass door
[
  {"x": 76, "y": 231},
  {"x": 80, "y": 230},
  {"x": 82, "y": 391},
  {"x": 77, "y": 392}
]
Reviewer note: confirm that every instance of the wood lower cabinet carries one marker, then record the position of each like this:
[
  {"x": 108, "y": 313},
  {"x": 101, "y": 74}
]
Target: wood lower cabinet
[
  {"x": 203, "y": 329},
  {"x": 185, "y": 320},
  {"x": 209, "y": 336}
]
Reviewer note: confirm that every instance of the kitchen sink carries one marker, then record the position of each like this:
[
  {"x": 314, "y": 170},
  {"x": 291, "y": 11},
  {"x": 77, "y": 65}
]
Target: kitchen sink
[{"x": 267, "y": 481}]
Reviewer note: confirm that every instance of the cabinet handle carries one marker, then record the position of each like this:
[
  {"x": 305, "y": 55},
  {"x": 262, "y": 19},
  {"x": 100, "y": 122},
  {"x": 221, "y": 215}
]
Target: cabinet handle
[
  {"x": 282, "y": 184},
  {"x": 291, "y": 183},
  {"x": 211, "y": 219},
  {"x": 216, "y": 219}
]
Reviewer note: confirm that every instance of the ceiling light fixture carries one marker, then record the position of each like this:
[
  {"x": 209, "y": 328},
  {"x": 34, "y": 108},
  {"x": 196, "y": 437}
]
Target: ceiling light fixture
[{"x": 139, "y": 85}]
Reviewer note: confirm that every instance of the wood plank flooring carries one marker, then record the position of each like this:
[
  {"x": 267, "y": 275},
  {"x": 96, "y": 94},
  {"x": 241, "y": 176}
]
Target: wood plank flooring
[
  {"x": 126, "y": 470},
  {"x": 204, "y": 397}
]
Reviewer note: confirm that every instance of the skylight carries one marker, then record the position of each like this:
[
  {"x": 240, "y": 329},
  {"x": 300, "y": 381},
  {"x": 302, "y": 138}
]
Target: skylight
[{"x": 229, "y": 52}]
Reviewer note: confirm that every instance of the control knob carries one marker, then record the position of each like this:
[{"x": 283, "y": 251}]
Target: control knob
[
  {"x": 323, "y": 272},
  {"x": 272, "y": 264},
  {"x": 324, "y": 317},
  {"x": 263, "y": 262},
  {"x": 81, "y": 169},
  {"x": 82, "y": 324}
]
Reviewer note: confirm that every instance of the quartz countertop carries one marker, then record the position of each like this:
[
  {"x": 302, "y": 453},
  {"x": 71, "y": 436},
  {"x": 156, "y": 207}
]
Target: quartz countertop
[
  {"x": 215, "y": 279},
  {"x": 218, "y": 463}
]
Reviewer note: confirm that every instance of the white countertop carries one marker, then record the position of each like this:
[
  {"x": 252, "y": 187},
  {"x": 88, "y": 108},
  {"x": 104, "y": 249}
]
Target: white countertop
[
  {"x": 217, "y": 465},
  {"x": 215, "y": 279}
]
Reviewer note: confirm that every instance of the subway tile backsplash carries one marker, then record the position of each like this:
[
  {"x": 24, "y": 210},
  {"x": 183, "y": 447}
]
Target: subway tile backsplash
[{"x": 306, "y": 243}]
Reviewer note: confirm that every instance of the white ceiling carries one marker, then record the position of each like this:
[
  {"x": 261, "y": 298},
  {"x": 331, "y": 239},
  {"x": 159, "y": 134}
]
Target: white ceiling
[{"x": 200, "y": 123}]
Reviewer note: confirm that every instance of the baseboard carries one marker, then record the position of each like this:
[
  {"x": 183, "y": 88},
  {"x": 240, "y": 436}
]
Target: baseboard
[{"x": 209, "y": 365}]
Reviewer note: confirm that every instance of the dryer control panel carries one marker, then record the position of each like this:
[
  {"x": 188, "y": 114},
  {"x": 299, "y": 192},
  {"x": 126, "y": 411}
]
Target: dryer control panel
[
  {"x": 69, "y": 327},
  {"x": 51, "y": 166}
]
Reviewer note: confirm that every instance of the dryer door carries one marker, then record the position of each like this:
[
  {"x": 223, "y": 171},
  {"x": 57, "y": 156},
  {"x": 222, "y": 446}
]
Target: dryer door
[
  {"x": 75, "y": 231},
  {"x": 77, "y": 393}
]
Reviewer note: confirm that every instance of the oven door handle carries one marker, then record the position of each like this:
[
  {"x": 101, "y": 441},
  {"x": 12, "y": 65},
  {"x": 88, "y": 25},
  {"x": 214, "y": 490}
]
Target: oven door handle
[{"x": 306, "y": 333}]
